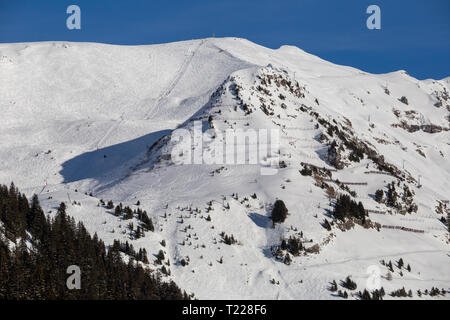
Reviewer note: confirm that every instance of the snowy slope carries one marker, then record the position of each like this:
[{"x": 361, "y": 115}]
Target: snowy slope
[{"x": 99, "y": 109}]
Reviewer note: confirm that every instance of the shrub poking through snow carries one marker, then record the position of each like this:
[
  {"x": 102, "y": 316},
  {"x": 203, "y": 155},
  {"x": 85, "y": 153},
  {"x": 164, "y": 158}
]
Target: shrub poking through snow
[{"x": 404, "y": 100}]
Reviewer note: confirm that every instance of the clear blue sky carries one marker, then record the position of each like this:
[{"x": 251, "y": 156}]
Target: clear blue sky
[{"x": 414, "y": 35}]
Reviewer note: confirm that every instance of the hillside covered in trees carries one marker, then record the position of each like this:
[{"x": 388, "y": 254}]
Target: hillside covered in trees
[{"x": 35, "y": 252}]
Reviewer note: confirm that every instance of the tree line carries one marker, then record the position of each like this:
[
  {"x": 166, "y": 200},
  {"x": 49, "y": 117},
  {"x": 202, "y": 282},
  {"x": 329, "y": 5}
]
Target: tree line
[{"x": 35, "y": 252}]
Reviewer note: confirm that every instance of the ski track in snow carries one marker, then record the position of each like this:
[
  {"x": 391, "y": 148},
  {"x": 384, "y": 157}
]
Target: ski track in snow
[{"x": 178, "y": 75}]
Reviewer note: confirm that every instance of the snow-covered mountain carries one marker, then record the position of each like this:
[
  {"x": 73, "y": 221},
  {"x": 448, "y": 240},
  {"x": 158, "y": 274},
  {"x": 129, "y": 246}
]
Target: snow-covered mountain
[{"x": 83, "y": 122}]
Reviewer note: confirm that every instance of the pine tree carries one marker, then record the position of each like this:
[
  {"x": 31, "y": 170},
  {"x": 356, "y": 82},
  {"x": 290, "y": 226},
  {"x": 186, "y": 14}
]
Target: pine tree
[
  {"x": 346, "y": 207},
  {"x": 379, "y": 196},
  {"x": 327, "y": 225},
  {"x": 164, "y": 271},
  {"x": 391, "y": 198},
  {"x": 400, "y": 263},
  {"x": 147, "y": 222},
  {"x": 279, "y": 212},
  {"x": 349, "y": 283},
  {"x": 110, "y": 205},
  {"x": 365, "y": 295},
  {"x": 160, "y": 257},
  {"x": 138, "y": 233},
  {"x": 117, "y": 211},
  {"x": 391, "y": 269},
  {"x": 334, "y": 286},
  {"x": 36, "y": 217},
  {"x": 287, "y": 259},
  {"x": 294, "y": 245}
]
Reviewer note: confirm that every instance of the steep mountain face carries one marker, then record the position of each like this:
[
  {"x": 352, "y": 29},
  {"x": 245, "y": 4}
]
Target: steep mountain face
[{"x": 148, "y": 126}]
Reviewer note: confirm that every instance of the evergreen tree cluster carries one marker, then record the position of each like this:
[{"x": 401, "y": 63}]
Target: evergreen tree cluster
[
  {"x": 345, "y": 207},
  {"x": 376, "y": 294},
  {"x": 333, "y": 286},
  {"x": 39, "y": 271},
  {"x": 343, "y": 294},
  {"x": 332, "y": 154},
  {"x": 293, "y": 245},
  {"x": 401, "y": 293},
  {"x": 433, "y": 292},
  {"x": 128, "y": 249},
  {"x": 349, "y": 284},
  {"x": 147, "y": 223},
  {"x": 392, "y": 196},
  {"x": 127, "y": 213},
  {"x": 403, "y": 201},
  {"x": 306, "y": 171},
  {"x": 110, "y": 204},
  {"x": 229, "y": 240},
  {"x": 18, "y": 215}
]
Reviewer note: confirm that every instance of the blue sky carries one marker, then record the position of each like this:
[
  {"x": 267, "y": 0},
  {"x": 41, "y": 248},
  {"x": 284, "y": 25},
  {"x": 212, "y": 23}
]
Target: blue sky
[{"x": 414, "y": 35}]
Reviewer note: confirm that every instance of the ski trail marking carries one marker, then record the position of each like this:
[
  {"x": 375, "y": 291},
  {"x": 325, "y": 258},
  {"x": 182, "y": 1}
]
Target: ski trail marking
[{"x": 178, "y": 75}]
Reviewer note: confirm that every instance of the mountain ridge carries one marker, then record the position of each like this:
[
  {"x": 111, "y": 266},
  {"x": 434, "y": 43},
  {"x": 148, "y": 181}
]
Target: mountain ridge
[{"x": 386, "y": 128}]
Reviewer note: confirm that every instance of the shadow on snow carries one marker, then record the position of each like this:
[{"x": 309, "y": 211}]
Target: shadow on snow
[{"x": 100, "y": 164}]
